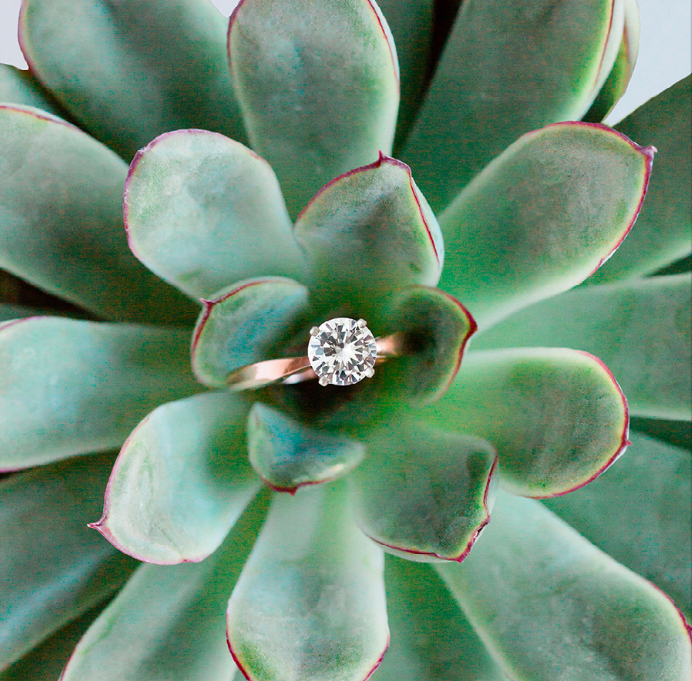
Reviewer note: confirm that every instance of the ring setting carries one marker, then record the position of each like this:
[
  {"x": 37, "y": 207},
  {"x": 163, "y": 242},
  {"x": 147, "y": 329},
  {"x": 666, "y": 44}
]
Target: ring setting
[{"x": 341, "y": 351}]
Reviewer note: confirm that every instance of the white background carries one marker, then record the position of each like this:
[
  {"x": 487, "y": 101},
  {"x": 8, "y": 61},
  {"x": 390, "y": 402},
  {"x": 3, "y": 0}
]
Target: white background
[{"x": 665, "y": 54}]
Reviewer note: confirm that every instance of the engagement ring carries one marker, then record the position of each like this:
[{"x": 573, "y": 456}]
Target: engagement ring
[{"x": 341, "y": 351}]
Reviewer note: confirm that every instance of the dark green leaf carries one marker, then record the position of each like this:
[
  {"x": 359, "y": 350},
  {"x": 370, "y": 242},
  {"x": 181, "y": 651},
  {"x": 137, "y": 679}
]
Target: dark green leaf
[
  {"x": 550, "y": 605},
  {"x": 318, "y": 85},
  {"x": 132, "y": 69}
]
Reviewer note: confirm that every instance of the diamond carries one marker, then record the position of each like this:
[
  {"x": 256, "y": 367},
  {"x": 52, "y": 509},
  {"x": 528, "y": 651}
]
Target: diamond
[{"x": 342, "y": 351}]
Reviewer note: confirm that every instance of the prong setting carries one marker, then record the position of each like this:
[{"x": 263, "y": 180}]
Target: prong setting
[{"x": 342, "y": 351}]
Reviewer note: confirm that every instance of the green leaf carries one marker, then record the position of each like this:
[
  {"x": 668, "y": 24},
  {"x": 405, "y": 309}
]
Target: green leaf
[
  {"x": 662, "y": 232},
  {"x": 47, "y": 660},
  {"x": 61, "y": 225},
  {"x": 641, "y": 329},
  {"x": 411, "y": 23},
  {"x": 431, "y": 638},
  {"x": 422, "y": 493},
  {"x": 167, "y": 624},
  {"x": 130, "y": 70},
  {"x": 310, "y": 602},
  {"x": 318, "y": 86},
  {"x": 287, "y": 455},
  {"x": 22, "y": 87},
  {"x": 676, "y": 433},
  {"x": 434, "y": 328},
  {"x": 86, "y": 384},
  {"x": 557, "y": 417},
  {"x": 10, "y": 312},
  {"x": 367, "y": 233},
  {"x": 621, "y": 73},
  {"x": 508, "y": 69},
  {"x": 542, "y": 217},
  {"x": 550, "y": 605},
  {"x": 53, "y": 567},
  {"x": 181, "y": 481},
  {"x": 245, "y": 323},
  {"x": 640, "y": 513},
  {"x": 203, "y": 211}
]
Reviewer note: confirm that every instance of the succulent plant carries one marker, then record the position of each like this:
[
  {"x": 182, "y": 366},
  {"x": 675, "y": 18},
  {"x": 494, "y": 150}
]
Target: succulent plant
[{"x": 280, "y": 193}]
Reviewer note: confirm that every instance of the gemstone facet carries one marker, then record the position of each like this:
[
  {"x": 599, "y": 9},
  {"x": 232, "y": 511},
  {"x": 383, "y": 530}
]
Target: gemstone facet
[{"x": 342, "y": 351}]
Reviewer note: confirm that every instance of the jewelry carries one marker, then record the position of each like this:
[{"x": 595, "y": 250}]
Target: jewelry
[{"x": 341, "y": 351}]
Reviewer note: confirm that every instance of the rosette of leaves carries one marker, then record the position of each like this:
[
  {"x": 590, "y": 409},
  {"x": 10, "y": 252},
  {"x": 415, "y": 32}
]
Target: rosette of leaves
[{"x": 271, "y": 193}]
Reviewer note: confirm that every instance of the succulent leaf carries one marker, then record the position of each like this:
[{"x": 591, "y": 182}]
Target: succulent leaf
[
  {"x": 640, "y": 514},
  {"x": 640, "y": 328},
  {"x": 676, "y": 433},
  {"x": 508, "y": 69},
  {"x": 664, "y": 227},
  {"x": 542, "y": 217},
  {"x": 87, "y": 384},
  {"x": 557, "y": 417},
  {"x": 318, "y": 84},
  {"x": 11, "y": 312},
  {"x": 22, "y": 87},
  {"x": 203, "y": 211},
  {"x": 370, "y": 232},
  {"x": 309, "y": 556},
  {"x": 131, "y": 70},
  {"x": 244, "y": 324},
  {"x": 534, "y": 584},
  {"x": 61, "y": 225},
  {"x": 46, "y": 661},
  {"x": 53, "y": 568},
  {"x": 621, "y": 73},
  {"x": 432, "y": 640},
  {"x": 181, "y": 481},
  {"x": 185, "y": 640},
  {"x": 422, "y": 493},
  {"x": 287, "y": 454},
  {"x": 411, "y": 23}
]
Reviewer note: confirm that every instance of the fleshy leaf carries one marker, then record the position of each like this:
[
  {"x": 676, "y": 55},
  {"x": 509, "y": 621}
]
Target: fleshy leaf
[
  {"x": 71, "y": 387},
  {"x": 318, "y": 86},
  {"x": 422, "y": 493},
  {"x": 508, "y": 69},
  {"x": 676, "y": 433},
  {"x": 662, "y": 234},
  {"x": 244, "y": 324},
  {"x": 431, "y": 638},
  {"x": 641, "y": 329},
  {"x": 131, "y": 70},
  {"x": 21, "y": 87},
  {"x": 168, "y": 621},
  {"x": 181, "y": 481},
  {"x": 61, "y": 225},
  {"x": 46, "y": 661},
  {"x": 548, "y": 604},
  {"x": 10, "y": 312},
  {"x": 287, "y": 454},
  {"x": 434, "y": 328},
  {"x": 640, "y": 513},
  {"x": 542, "y": 217},
  {"x": 557, "y": 417},
  {"x": 53, "y": 568},
  {"x": 312, "y": 565},
  {"x": 411, "y": 23},
  {"x": 370, "y": 232},
  {"x": 203, "y": 211},
  {"x": 621, "y": 73}
]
